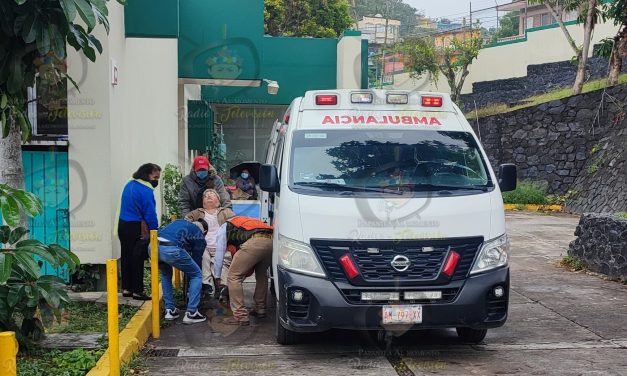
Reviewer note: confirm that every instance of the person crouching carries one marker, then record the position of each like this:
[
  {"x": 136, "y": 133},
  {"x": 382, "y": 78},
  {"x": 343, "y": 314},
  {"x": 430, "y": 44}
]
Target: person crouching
[{"x": 179, "y": 242}]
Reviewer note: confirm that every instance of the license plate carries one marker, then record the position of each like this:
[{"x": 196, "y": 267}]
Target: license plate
[{"x": 402, "y": 314}]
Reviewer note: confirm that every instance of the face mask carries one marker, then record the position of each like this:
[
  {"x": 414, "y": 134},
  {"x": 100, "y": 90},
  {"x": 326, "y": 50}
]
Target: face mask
[
  {"x": 154, "y": 183},
  {"x": 244, "y": 176},
  {"x": 202, "y": 174}
]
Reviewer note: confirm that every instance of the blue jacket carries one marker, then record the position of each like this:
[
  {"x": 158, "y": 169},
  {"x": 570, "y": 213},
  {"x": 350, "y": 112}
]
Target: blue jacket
[
  {"x": 185, "y": 235},
  {"x": 138, "y": 203}
]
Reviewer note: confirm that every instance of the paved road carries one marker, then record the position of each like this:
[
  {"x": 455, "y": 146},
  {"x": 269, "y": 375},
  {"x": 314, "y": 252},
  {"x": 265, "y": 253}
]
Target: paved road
[{"x": 560, "y": 323}]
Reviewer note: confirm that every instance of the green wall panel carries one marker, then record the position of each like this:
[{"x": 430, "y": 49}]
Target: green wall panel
[
  {"x": 220, "y": 39},
  {"x": 151, "y": 19},
  {"x": 199, "y": 125},
  {"x": 364, "y": 64},
  {"x": 297, "y": 64}
]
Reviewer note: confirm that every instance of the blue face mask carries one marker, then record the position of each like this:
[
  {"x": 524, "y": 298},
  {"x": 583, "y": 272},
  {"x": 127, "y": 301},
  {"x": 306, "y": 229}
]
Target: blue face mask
[
  {"x": 244, "y": 175},
  {"x": 202, "y": 174}
]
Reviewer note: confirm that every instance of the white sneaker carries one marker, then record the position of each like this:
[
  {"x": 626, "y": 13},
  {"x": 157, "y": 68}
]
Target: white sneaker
[
  {"x": 171, "y": 314},
  {"x": 193, "y": 318}
]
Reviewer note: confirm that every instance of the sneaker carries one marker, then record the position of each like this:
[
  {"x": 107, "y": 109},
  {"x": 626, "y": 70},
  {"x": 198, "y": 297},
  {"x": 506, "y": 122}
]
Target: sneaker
[
  {"x": 171, "y": 314},
  {"x": 193, "y": 318}
]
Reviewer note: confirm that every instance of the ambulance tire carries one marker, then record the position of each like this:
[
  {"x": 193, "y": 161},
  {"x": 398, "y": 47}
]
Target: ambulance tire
[
  {"x": 284, "y": 336},
  {"x": 469, "y": 335}
]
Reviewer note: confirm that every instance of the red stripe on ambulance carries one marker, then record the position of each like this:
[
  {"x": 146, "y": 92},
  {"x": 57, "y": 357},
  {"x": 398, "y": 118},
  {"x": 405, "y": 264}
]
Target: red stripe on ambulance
[{"x": 388, "y": 119}]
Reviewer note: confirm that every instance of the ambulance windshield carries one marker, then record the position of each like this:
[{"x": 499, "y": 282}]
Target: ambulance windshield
[{"x": 387, "y": 161}]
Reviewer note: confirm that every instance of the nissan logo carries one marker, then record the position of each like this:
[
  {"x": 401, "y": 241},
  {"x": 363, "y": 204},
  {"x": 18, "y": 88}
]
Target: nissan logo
[{"x": 400, "y": 263}]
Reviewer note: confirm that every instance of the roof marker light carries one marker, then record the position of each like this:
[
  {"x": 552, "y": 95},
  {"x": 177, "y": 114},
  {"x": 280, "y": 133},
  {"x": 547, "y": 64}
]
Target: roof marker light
[
  {"x": 326, "y": 100},
  {"x": 361, "y": 97},
  {"x": 431, "y": 101},
  {"x": 397, "y": 99}
]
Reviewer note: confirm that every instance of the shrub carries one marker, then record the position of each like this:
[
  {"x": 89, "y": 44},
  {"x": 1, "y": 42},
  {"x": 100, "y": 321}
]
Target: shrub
[
  {"x": 172, "y": 178},
  {"x": 24, "y": 293},
  {"x": 527, "y": 192}
]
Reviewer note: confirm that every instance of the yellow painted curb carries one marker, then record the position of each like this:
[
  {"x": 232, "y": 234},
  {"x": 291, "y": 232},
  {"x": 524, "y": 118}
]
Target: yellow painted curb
[
  {"x": 132, "y": 339},
  {"x": 528, "y": 207}
]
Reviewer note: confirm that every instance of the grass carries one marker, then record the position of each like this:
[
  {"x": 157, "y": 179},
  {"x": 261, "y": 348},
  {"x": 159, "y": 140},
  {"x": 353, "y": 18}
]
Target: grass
[
  {"x": 527, "y": 193},
  {"x": 543, "y": 98},
  {"x": 89, "y": 317},
  {"x": 572, "y": 263},
  {"x": 46, "y": 362},
  {"x": 621, "y": 215}
]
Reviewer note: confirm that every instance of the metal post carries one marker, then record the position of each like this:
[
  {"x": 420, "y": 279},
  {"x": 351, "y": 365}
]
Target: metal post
[
  {"x": 177, "y": 278},
  {"x": 154, "y": 278},
  {"x": 112, "y": 315},
  {"x": 8, "y": 354}
]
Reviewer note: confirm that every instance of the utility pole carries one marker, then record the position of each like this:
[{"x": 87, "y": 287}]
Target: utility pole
[{"x": 385, "y": 42}]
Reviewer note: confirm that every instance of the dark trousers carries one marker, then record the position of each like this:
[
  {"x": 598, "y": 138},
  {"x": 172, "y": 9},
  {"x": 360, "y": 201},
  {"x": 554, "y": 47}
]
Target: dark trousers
[{"x": 132, "y": 258}]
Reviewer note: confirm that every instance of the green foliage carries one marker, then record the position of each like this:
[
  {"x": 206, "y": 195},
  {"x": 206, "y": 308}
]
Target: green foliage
[
  {"x": 77, "y": 362},
  {"x": 172, "y": 178},
  {"x": 595, "y": 165},
  {"x": 561, "y": 199},
  {"x": 621, "y": 215},
  {"x": 89, "y": 317},
  {"x": 86, "y": 278},
  {"x": 422, "y": 56},
  {"x": 509, "y": 25},
  {"x": 572, "y": 263},
  {"x": 604, "y": 48},
  {"x": 527, "y": 192},
  {"x": 24, "y": 293},
  {"x": 306, "y": 18},
  {"x": 33, "y": 38}
]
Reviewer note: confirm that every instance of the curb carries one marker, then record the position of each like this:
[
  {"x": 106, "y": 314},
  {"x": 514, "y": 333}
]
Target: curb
[
  {"x": 132, "y": 339},
  {"x": 535, "y": 208}
]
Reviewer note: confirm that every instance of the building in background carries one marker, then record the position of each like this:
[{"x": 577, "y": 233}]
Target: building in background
[{"x": 379, "y": 30}]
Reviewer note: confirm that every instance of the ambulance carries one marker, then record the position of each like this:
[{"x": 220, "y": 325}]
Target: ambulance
[{"x": 387, "y": 217}]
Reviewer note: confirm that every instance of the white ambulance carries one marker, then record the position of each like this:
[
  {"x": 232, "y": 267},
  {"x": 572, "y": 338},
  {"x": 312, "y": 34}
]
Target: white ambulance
[{"x": 387, "y": 216}]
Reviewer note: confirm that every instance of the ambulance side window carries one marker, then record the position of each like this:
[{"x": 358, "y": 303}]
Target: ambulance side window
[{"x": 278, "y": 154}]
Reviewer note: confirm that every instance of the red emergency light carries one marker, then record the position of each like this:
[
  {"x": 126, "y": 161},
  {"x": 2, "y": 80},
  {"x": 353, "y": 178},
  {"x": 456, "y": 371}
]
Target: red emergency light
[
  {"x": 326, "y": 100},
  {"x": 349, "y": 266},
  {"x": 430, "y": 101},
  {"x": 451, "y": 263}
]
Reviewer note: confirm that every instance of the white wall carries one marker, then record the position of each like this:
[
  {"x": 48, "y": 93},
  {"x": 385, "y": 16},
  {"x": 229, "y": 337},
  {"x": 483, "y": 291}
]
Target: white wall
[
  {"x": 508, "y": 61},
  {"x": 349, "y": 62},
  {"x": 139, "y": 125}
]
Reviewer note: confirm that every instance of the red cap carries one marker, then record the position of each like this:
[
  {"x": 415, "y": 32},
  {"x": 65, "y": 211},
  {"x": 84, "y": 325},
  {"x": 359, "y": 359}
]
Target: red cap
[{"x": 201, "y": 163}]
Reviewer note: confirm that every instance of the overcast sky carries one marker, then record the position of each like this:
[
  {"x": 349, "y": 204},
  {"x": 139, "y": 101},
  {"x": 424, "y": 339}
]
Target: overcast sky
[{"x": 451, "y": 8}]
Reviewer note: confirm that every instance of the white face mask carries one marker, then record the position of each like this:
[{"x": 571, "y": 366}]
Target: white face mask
[{"x": 244, "y": 176}]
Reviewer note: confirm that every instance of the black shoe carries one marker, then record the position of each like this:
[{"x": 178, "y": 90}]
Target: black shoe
[
  {"x": 141, "y": 296},
  {"x": 127, "y": 294},
  {"x": 207, "y": 289},
  {"x": 256, "y": 314},
  {"x": 192, "y": 318}
]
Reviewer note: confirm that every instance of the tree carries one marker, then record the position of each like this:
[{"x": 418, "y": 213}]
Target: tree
[
  {"x": 422, "y": 56},
  {"x": 616, "y": 10},
  {"x": 588, "y": 14},
  {"x": 509, "y": 25},
  {"x": 312, "y": 18},
  {"x": 31, "y": 31}
]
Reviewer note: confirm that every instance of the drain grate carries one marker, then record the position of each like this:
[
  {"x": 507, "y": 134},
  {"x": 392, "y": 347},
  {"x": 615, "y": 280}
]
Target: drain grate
[{"x": 162, "y": 353}]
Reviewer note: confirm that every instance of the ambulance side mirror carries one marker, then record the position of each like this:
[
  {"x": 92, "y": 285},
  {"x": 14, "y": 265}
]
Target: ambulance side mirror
[
  {"x": 268, "y": 178},
  {"x": 507, "y": 177}
]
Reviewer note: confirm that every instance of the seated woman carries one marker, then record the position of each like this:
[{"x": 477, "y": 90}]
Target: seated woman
[{"x": 246, "y": 184}]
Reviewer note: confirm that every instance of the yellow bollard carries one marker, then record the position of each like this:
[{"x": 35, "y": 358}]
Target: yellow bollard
[
  {"x": 154, "y": 277},
  {"x": 177, "y": 278},
  {"x": 112, "y": 306},
  {"x": 8, "y": 353}
]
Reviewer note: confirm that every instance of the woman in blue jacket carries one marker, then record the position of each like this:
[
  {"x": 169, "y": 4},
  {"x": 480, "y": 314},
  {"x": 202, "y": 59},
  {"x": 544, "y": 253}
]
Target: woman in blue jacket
[{"x": 138, "y": 215}]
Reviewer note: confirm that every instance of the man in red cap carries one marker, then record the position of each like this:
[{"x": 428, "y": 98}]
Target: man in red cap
[{"x": 201, "y": 177}]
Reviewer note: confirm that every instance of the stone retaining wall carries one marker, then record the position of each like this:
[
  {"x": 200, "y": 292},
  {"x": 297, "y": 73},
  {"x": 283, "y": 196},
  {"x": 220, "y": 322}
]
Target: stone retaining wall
[
  {"x": 553, "y": 142},
  {"x": 601, "y": 244},
  {"x": 541, "y": 78}
]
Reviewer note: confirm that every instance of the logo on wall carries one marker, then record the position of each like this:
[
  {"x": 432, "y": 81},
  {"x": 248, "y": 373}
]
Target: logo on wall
[{"x": 225, "y": 64}]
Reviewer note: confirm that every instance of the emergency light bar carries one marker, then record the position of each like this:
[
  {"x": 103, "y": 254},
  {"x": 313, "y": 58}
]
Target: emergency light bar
[
  {"x": 430, "y": 101},
  {"x": 326, "y": 100},
  {"x": 397, "y": 98},
  {"x": 361, "y": 97}
]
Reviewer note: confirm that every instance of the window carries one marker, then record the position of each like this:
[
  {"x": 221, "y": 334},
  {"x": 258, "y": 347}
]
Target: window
[{"x": 246, "y": 130}]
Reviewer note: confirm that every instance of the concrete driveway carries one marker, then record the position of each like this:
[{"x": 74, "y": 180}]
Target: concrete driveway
[{"x": 560, "y": 323}]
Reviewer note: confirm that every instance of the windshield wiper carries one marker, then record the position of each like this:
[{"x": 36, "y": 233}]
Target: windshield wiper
[
  {"x": 437, "y": 187},
  {"x": 321, "y": 184}
]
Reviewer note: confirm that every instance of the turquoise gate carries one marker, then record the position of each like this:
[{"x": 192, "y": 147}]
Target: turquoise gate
[{"x": 46, "y": 175}]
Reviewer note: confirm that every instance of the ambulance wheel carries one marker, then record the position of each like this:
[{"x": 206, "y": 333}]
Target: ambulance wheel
[
  {"x": 470, "y": 335},
  {"x": 283, "y": 336}
]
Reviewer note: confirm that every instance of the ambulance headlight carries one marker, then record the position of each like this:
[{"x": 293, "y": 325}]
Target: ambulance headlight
[
  {"x": 298, "y": 257},
  {"x": 493, "y": 254}
]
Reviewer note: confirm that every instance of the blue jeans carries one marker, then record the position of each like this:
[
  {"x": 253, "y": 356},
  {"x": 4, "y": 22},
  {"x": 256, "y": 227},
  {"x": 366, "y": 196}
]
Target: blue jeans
[{"x": 174, "y": 256}]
